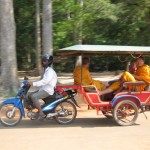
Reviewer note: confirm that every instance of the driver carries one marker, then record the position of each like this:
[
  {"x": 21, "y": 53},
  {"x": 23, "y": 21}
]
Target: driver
[{"x": 46, "y": 84}]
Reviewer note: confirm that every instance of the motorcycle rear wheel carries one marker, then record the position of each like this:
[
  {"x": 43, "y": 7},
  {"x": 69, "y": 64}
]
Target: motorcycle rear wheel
[
  {"x": 68, "y": 111},
  {"x": 6, "y": 116}
]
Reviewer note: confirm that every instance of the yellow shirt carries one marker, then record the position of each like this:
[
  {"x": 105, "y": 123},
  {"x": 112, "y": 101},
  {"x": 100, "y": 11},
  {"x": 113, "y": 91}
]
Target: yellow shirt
[
  {"x": 86, "y": 78},
  {"x": 144, "y": 73}
]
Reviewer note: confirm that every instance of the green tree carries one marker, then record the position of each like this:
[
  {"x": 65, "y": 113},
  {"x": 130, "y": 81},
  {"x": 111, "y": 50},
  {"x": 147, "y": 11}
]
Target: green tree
[
  {"x": 47, "y": 33},
  {"x": 114, "y": 22},
  {"x": 25, "y": 33},
  {"x": 133, "y": 23},
  {"x": 9, "y": 76},
  {"x": 38, "y": 38}
]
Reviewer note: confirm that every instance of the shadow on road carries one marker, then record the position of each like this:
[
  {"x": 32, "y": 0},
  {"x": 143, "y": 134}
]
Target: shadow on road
[{"x": 79, "y": 122}]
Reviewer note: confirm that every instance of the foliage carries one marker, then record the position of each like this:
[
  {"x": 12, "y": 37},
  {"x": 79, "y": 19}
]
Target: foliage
[
  {"x": 109, "y": 22},
  {"x": 25, "y": 32}
]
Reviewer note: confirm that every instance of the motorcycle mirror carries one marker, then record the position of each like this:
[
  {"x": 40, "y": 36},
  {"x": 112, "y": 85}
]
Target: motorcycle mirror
[{"x": 25, "y": 78}]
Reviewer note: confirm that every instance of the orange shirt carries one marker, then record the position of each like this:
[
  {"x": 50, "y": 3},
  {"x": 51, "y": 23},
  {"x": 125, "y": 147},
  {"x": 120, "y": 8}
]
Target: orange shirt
[
  {"x": 144, "y": 73},
  {"x": 86, "y": 77}
]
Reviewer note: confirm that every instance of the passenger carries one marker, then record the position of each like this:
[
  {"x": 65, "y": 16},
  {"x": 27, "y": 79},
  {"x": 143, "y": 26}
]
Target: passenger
[
  {"x": 142, "y": 74},
  {"x": 132, "y": 70},
  {"x": 86, "y": 77},
  {"x": 133, "y": 67}
]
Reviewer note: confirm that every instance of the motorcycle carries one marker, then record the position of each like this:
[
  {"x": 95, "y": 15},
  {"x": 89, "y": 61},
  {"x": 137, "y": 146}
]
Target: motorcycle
[{"x": 61, "y": 106}]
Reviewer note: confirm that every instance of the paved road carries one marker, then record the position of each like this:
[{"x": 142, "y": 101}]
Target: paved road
[{"x": 88, "y": 132}]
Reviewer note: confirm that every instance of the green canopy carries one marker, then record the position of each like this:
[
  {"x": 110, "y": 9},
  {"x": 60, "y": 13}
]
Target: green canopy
[{"x": 104, "y": 50}]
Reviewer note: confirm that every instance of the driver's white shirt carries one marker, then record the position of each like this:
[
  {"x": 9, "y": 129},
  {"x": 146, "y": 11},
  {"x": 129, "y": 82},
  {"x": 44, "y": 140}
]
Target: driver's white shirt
[{"x": 48, "y": 81}]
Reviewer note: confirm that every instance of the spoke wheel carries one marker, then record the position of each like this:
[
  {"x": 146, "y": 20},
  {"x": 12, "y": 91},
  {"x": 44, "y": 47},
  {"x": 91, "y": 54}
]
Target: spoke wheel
[
  {"x": 66, "y": 112},
  {"x": 125, "y": 113},
  {"x": 8, "y": 117}
]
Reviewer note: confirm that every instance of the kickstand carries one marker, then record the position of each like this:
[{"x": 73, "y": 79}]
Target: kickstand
[{"x": 144, "y": 113}]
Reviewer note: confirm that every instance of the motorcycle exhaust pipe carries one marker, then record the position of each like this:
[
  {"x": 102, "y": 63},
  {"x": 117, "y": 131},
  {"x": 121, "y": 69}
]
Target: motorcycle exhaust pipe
[{"x": 51, "y": 115}]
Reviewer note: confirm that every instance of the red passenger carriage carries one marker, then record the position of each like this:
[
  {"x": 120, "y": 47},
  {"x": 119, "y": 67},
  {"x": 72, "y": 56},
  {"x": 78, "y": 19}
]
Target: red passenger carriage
[{"x": 123, "y": 107}]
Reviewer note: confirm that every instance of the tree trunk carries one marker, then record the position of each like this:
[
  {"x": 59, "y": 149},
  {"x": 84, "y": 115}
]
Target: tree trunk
[
  {"x": 47, "y": 27},
  {"x": 38, "y": 39},
  {"x": 9, "y": 76},
  {"x": 78, "y": 30}
]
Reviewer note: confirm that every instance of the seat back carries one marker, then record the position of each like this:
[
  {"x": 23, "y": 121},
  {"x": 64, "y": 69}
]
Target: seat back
[
  {"x": 132, "y": 85},
  {"x": 92, "y": 94}
]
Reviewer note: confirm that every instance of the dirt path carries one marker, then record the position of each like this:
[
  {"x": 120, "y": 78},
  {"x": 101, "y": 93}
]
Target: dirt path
[{"x": 88, "y": 132}]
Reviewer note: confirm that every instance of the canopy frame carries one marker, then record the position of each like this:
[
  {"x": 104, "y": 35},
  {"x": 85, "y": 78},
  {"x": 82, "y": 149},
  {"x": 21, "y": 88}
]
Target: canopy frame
[{"x": 78, "y": 50}]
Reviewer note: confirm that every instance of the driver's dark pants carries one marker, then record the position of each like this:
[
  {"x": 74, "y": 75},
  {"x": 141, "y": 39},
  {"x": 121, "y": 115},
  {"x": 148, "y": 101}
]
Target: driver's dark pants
[{"x": 37, "y": 96}]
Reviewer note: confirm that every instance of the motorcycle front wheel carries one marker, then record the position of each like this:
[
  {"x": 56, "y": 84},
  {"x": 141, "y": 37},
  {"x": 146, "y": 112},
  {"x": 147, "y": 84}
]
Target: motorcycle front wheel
[
  {"x": 66, "y": 111},
  {"x": 10, "y": 115}
]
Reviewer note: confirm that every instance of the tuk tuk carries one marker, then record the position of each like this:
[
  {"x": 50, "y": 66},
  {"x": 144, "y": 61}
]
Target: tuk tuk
[{"x": 125, "y": 106}]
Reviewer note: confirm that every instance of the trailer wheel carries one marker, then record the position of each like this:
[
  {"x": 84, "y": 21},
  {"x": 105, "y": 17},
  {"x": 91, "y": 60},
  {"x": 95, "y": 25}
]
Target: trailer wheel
[{"x": 125, "y": 113}]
